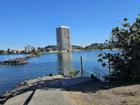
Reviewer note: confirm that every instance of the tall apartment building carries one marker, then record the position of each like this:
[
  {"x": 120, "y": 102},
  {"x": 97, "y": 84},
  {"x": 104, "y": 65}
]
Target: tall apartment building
[{"x": 63, "y": 38}]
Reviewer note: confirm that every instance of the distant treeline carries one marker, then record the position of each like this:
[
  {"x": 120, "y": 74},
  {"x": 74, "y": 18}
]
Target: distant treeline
[
  {"x": 99, "y": 46},
  {"x": 2, "y": 51},
  {"x": 55, "y": 48},
  {"x": 78, "y": 48}
]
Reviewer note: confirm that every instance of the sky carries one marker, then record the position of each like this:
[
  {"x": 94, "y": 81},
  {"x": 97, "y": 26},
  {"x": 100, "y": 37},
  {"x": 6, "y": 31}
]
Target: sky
[{"x": 34, "y": 22}]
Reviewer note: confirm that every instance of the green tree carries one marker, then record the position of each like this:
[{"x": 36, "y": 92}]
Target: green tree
[
  {"x": 126, "y": 63},
  {"x": 2, "y": 52}
]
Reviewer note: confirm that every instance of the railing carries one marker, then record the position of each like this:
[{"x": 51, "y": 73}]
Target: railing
[{"x": 97, "y": 74}]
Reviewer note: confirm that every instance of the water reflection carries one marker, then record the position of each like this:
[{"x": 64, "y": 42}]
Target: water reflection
[{"x": 64, "y": 63}]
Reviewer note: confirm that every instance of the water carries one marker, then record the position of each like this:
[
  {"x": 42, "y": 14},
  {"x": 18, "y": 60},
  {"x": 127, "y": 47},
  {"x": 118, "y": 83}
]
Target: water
[{"x": 46, "y": 64}]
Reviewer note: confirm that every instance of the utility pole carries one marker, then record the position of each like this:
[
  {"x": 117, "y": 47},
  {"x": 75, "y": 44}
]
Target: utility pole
[
  {"x": 109, "y": 68},
  {"x": 82, "y": 70}
]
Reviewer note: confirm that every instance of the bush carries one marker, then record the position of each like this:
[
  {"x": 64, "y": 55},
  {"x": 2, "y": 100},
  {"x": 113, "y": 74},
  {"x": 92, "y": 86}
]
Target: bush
[
  {"x": 73, "y": 73},
  {"x": 125, "y": 64}
]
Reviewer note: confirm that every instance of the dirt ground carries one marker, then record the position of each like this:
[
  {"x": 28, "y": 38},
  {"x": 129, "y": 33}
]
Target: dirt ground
[{"x": 90, "y": 94}]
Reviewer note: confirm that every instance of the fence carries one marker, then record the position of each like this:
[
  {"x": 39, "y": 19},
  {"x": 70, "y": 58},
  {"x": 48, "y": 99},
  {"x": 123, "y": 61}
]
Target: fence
[{"x": 97, "y": 73}]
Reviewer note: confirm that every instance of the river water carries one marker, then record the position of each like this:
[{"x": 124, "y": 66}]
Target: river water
[{"x": 46, "y": 64}]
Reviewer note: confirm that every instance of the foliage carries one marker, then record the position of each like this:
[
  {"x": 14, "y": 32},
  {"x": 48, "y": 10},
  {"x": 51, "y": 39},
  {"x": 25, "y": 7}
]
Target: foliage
[
  {"x": 98, "y": 46},
  {"x": 126, "y": 64},
  {"x": 75, "y": 47},
  {"x": 2, "y": 52},
  {"x": 73, "y": 73}
]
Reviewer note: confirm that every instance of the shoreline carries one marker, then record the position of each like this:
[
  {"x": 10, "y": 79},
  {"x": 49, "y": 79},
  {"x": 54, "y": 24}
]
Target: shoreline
[
  {"x": 26, "y": 86},
  {"x": 55, "y": 81},
  {"x": 84, "y": 93},
  {"x": 62, "y": 51}
]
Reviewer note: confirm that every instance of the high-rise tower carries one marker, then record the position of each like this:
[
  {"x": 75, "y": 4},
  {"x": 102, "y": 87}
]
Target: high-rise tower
[{"x": 63, "y": 38}]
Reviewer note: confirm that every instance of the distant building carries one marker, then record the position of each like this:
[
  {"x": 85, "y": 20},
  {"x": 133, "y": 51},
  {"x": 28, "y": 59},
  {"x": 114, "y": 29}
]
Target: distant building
[
  {"x": 63, "y": 38},
  {"x": 11, "y": 51},
  {"x": 8, "y": 51},
  {"x": 29, "y": 49}
]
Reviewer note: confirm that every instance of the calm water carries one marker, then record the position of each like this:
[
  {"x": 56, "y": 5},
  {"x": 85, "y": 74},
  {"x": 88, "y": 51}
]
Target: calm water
[{"x": 41, "y": 66}]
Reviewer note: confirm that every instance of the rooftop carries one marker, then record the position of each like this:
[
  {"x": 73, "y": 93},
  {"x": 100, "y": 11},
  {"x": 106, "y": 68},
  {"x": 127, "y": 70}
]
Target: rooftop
[{"x": 63, "y": 27}]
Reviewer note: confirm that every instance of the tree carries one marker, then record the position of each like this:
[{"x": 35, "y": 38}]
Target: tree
[
  {"x": 126, "y": 63},
  {"x": 2, "y": 52}
]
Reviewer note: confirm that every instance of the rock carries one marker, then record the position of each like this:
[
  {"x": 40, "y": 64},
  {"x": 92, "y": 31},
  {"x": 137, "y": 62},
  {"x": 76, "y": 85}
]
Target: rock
[{"x": 17, "y": 61}]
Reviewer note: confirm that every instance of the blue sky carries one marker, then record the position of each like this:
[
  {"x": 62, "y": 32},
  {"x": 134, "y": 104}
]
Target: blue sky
[{"x": 24, "y": 22}]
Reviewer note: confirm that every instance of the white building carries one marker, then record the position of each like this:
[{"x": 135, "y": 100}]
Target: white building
[{"x": 29, "y": 48}]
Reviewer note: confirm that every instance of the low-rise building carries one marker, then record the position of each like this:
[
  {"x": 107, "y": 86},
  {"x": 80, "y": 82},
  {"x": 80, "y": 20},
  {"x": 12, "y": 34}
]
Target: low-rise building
[{"x": 29, "y": 49}]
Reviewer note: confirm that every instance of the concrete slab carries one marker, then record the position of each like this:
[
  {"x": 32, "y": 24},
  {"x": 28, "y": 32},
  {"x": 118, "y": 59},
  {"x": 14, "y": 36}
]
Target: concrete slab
[
  {"x": 19, "y": 99},
  {"x": 50, "y": 97}
]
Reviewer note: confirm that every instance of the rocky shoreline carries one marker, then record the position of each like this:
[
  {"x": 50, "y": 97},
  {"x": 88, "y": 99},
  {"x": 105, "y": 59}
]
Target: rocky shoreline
[
  {"x": 17, "y": 61},
  {"x": 27, "y": 86},
  {"x": 81, "y": 90},
  {"x": 55, "y": 81}
]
